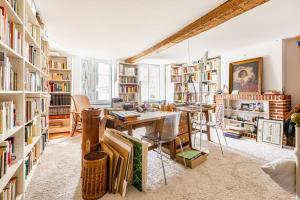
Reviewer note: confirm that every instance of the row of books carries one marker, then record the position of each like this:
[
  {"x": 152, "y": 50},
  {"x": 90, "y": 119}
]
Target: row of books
[
  {"x": 31, "y": 109},
  {"x": 30, "y": 132},
  {"x": 14, "y": 4},
  {"x": 127, "y": 89},
  {"x": 128, "y": 80},
  {"x": 7, "y": 155},
  {"x": 44, "y": 46},
  {"x": 44, "y": 122},
  {"x": 128, "y": 98},
  {"x": 8, "y": 78},
  {"x": 126, "y": 70},
  {"x": 190, "y": 69},
  {"x": 60, "y": 99},
  {"x": 213, "y": 64},
  {"x": 30, "y": 161},
  {"x": 44, "y": 139},
  {"x": 60, "y": 111},
  {"x": 44, "y": 104},
  {"x": 7, "y": 116},
  {"x": 10, "y": 190},
  {"x": 176, "y": 79},
  {"x": 31, "y": 54},
  {"x": 32, "y": 81},
  {"x": 9, "y": 32},
  {"x": 59, "y": 87},
  {"x": 209, "y": 88},
  {"x": 212, "y": 76},
  {"x": 60, "y": 76},
  {"x": 31, "y": 28},
  {"x": 58, "y": 64}
]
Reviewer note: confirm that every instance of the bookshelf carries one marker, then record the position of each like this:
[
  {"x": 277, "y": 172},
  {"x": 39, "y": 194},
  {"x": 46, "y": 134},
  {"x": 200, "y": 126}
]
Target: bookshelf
[
  {"x": 182, "y": 76},
  {"x": 60, "y": 89},
  {"x": 128, "y": 82},
  {"x": 24, "y": 97}
]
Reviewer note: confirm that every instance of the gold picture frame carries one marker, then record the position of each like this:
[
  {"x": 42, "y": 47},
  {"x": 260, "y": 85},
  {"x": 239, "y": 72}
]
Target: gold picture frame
[{"x": 246, "y": 76}]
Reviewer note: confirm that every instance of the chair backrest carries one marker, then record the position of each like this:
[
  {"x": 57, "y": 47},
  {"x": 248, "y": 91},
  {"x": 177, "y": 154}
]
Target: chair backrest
[
  {"x": 170, "y": 127},
  {"x": 81, "y": 102}
]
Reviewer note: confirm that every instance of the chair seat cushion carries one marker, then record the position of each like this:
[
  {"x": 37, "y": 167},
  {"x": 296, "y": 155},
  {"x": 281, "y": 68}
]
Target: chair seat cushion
[{"x": 283, "y": 172}]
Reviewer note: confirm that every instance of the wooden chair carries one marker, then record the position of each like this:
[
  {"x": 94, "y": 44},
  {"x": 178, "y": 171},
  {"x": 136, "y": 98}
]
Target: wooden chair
[{"x": 80, "y": 102}]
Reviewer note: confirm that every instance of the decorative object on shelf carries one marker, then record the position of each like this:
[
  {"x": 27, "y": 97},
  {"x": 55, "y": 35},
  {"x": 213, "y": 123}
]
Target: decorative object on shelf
[
  {"x": 246, "y": 76},
  {"x": 270, "y": 131}
]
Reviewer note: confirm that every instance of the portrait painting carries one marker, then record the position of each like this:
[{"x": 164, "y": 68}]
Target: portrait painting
[{"x": 246, "y": 76}]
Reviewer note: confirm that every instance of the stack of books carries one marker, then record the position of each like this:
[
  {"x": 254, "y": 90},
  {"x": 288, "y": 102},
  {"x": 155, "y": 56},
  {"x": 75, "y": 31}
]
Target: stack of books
[
  {"x": 44, "y": 139},
  {"x": 126, "y": 115},
  {"x": 7, "y": 156},
  {"x": 10, "y": 190},
  {"x": 8, "y": 78},
  {"x": 30, "y": 161},
  {"x": 7, "y": 116}
]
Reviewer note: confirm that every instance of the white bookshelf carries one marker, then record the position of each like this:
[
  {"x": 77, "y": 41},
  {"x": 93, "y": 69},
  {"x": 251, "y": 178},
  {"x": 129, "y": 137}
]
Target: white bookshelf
[
  {"x": 40, "y": 93},
  {"x": 60, "y": 124}
]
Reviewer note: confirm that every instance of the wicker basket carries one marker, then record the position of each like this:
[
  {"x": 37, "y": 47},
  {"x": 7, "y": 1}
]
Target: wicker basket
[{"x": 94, "y": 175}]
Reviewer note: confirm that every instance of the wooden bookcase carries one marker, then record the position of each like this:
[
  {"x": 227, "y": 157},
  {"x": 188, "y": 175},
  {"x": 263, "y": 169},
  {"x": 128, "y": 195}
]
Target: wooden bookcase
[
  {"x": 27, "y": 52},
  {"x": 128, "y": 82},
  {"x": 183, "y": 87},
  {"x": 60, "y": 89}
]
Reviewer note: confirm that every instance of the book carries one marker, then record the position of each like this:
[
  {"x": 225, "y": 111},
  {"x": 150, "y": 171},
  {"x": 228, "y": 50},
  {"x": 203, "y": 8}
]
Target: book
[
  {"x": 10, "y": 190},
  {"x": 8, "y": 77},
  {"x": 126, "y": 115},
  {"x": 31, "y": 108},
  {"x": 7, "y": 116}
]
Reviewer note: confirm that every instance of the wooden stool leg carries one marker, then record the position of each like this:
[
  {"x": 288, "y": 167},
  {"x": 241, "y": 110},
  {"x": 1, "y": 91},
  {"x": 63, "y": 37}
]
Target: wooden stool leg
[{"x": 74, "y": 125}]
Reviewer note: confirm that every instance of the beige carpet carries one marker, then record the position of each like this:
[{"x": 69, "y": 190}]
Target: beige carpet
[{"x": 231, "y": 176}]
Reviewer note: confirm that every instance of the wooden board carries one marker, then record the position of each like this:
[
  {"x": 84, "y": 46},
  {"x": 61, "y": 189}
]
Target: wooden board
[
  {"x": 140, "y": 160},
  {"x": 219, "y": 15}
]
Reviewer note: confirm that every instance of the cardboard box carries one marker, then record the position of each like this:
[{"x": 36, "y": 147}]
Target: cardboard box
[{"x": 194, "y": 162}]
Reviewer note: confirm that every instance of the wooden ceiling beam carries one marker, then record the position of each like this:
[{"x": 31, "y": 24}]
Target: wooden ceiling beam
[{"x": 219, "y": 15}]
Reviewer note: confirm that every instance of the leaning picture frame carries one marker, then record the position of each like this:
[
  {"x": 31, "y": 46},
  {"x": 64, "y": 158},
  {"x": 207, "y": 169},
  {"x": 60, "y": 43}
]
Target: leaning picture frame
[{"x": 270, "y": 131}]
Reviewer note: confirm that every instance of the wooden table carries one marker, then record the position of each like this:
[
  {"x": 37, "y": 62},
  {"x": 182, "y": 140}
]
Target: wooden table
[
  {"x": 196, "y": 109},
  {"x": 146, "y": 119}
]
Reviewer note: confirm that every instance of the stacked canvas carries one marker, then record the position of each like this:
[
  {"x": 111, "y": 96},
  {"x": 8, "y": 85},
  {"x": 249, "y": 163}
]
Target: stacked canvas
[{"x": 127, "y": 158}]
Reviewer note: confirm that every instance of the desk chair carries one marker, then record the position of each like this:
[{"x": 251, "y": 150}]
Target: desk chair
[
  {"x": 80, "y": 103},
  {"x": 215, "y": 125},
  {"x": 170, "y": 131}
]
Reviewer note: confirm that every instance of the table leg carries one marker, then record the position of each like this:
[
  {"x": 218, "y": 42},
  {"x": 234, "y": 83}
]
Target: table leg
[
  {"x": 189, "y": 120},
  {"x": 207, "y": 127},
  {"x": 129, "y": 129}
]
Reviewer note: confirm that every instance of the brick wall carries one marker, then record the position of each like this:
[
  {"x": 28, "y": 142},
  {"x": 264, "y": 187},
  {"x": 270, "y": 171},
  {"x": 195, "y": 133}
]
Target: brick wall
[{"x": 279, "y": 105}]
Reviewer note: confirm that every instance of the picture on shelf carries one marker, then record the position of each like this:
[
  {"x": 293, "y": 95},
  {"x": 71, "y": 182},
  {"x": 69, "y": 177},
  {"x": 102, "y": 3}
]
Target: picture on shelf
[
  {"x": 270, "y": 131},
  {"x": 246, "y": 76}
]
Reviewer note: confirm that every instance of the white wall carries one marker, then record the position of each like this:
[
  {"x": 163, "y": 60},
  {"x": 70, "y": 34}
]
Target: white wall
[
  {"x": 76, "y": 75},
  {"x": 292, "y": 64},
  {"x": 272, "y": 63}
]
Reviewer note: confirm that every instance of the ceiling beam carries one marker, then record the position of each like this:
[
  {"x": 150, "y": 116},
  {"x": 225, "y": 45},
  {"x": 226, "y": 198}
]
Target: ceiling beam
[{"x": 219, "y": 15}]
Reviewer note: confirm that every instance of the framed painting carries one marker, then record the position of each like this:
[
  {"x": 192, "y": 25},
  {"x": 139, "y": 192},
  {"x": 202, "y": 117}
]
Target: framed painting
[
  {"x": 246, "y": 76},
  {"x": 270, "y": 131}
]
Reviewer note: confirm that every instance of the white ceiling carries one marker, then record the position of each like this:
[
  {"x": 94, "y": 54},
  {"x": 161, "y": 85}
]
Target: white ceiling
[
  {"x": 272, "y": 21},
  {"x": 118, "y": 29},
  {"x": 112, "y": 29}
]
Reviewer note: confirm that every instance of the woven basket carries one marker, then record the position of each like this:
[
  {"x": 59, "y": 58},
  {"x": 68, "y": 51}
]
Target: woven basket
[{"x": 94, "y": 175}]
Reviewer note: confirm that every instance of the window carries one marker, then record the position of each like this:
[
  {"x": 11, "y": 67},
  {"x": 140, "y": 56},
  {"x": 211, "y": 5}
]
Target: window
[
  {"x": 96, "y": 80},
  {"x": 149, "y": 76}
]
